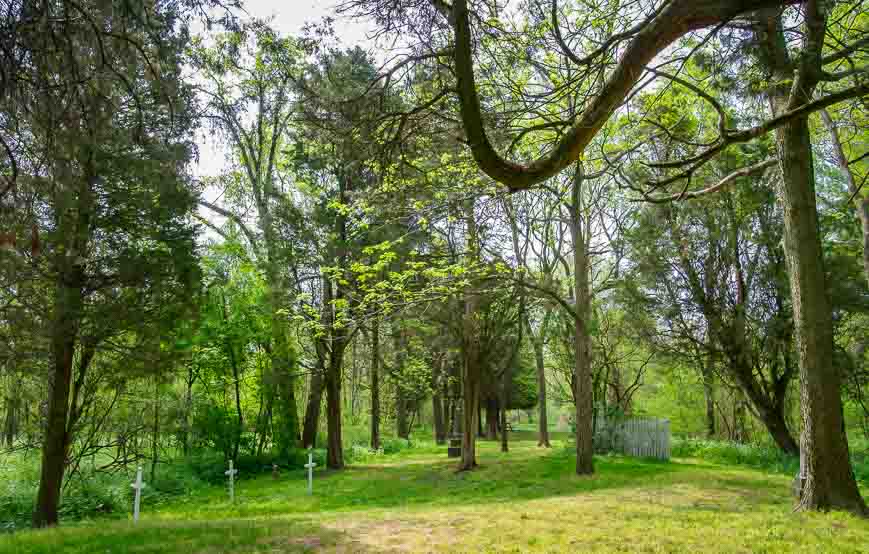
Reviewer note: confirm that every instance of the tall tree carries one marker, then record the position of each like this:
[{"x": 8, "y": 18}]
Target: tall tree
[
  {"x": 106, "y": 188},
  {"x": 248, "y": 77}
]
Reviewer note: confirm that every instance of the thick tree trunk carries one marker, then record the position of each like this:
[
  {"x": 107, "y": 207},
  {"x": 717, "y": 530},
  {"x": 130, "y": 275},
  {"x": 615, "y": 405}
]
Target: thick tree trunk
[
  {"x": 492, "y": 417},
  {"x": 334, "y": 448},
  {"x": 401, "y": 429},
  {"x": 470, "y": 413},
  {"x": 583, "y": 386},
  {"x": 283, "y": 365},
  {"x": 68, "y": 309},
  {"x": 312, "y": 410},
  {"x": 56, "y": 442},
  {"x": 440, "y": 428},
  {"x": 829, "y": 479},
  {"x": 375, "y": 384},
  {"x": 830, "y": 482}
]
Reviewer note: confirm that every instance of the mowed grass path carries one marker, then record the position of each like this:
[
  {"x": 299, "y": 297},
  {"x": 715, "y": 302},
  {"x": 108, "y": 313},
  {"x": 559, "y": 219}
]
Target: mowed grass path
[{"x": 527, "y": 500}]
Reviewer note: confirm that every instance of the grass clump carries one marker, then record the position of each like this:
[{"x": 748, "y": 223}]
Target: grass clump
[{"x": 767, "y": 457}]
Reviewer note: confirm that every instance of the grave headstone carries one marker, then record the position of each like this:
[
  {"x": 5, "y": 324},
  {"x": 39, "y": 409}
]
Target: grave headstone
[
  {"x": 231, "y": 473},
  {"x": 310, "y": 465},
  {"x": 138, "y": 486}
]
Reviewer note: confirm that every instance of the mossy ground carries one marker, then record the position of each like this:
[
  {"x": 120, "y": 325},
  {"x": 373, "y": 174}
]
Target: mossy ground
[{"x": 527, "y": 500}]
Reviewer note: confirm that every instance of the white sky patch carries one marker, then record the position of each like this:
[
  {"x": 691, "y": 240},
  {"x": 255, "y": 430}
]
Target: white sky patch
[{"x": 289, "y": 18}]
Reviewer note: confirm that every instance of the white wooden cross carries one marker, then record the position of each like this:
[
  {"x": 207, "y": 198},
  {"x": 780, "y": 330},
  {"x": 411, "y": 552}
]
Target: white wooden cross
[
  {"x": 310, "y": 465},
  {"x": 231, "y": 472},
  {"x": 138, "y": 486}
]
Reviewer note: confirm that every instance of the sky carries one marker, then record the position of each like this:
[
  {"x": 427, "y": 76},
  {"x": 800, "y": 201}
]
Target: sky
[{"x": 290, "y": 16}]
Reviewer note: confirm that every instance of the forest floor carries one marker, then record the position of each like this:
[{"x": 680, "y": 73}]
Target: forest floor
[{"x": 527, "y": 500}]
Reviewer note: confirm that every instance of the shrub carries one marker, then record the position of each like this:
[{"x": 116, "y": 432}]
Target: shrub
[{"x": 761, "y": 456}]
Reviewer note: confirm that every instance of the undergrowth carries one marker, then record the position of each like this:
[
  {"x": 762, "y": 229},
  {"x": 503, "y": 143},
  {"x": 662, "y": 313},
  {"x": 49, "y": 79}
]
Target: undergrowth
[{"x": 761, "y": 456}]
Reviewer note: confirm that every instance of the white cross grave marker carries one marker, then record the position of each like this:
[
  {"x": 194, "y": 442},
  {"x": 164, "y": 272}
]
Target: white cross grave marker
[
  {"x": 138, "y": 485},
  {"x": 310, "y": 465},
  {"x": 231, "y": 472}
]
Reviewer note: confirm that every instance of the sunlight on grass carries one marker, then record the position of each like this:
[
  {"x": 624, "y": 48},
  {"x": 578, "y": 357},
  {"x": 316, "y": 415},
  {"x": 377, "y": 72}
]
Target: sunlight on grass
[{"x": 526, "y": 500}]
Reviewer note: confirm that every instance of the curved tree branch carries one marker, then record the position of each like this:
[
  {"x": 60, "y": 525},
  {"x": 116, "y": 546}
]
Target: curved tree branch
[
  {"x": 678, "y": 18},
  {"x": 251, "y": 237}
]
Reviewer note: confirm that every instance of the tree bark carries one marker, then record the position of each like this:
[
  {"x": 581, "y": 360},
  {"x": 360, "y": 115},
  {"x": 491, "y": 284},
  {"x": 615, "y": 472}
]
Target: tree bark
[
  {"x": 10, "y": 424},
  {"x": 829, "y": 479},
  {"x": 830, "y": 482},
  {"x": 55, "y": 443},
  {"x": 74, "y": 225},
  {"x": 470, "y": 413},
  {"x": 471, "y": 368},
  {"x": 401, "y": 403},
  {"x": 709, "y": 394},
  {"x": 583, "y": 386},
  {"x": 440, "y": 427},
  {"x": 312, "y": 410},
  {"x": 375, "y": 384},
  {"x": 492, "y": 409},
  {"x": 334, "y": 448}
]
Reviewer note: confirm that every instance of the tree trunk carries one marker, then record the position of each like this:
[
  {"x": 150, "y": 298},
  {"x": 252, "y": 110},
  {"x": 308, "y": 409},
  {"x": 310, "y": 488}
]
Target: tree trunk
[
  {"x": 401, "y": 430},
  {"x": 401, "y": 403},
  {"x": 472, "y": 366},
  {"x": 10, "y": 425},
  {"x": 470, "y": 413},
  {"x": 188, "y": 409},
  {"x": 583, "y": 386},
  {"x": 829, "y": 479},
  {"x": 542, "y": 418},
  {"x": 236, "y": 378},
  {"x": 830, "y": 482},
  {"x": 312, "y": 410},
  {"x": 440, "y": 428},
  {"x": 709, "y": 394},
  {"x": 68, "y": 308},
  {"x": 56, "y": 441},
  {"x": 505, "y": 400},
  {"x": 375, "y": 384},
  {"x": 334, "y": 448},
  {"x": 155, "y": 430},
  {"x": 282, "y": 367},
  {"x": 492, "y": 417}
]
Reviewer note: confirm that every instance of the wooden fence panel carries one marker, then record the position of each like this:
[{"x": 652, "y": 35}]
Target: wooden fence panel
[{"x": 636, "y": 436}]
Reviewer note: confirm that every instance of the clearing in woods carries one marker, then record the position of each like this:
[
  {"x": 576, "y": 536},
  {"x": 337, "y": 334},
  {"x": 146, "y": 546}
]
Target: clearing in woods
[{"x": 528, "y": 500}]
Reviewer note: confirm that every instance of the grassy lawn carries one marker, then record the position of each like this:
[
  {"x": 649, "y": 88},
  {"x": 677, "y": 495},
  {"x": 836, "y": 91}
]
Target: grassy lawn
[{"x": 524, "y": 501}]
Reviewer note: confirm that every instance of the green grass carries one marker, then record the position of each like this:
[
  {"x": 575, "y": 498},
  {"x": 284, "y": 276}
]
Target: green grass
[{"x": 525, "y": 500}]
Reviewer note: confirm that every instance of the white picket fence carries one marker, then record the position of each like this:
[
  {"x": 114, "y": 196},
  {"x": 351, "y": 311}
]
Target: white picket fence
[{"x": 645, "y": 437}]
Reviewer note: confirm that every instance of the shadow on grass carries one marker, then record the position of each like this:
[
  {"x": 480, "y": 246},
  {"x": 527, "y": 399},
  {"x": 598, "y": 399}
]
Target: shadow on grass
[{"x": 200, "y": 537}]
